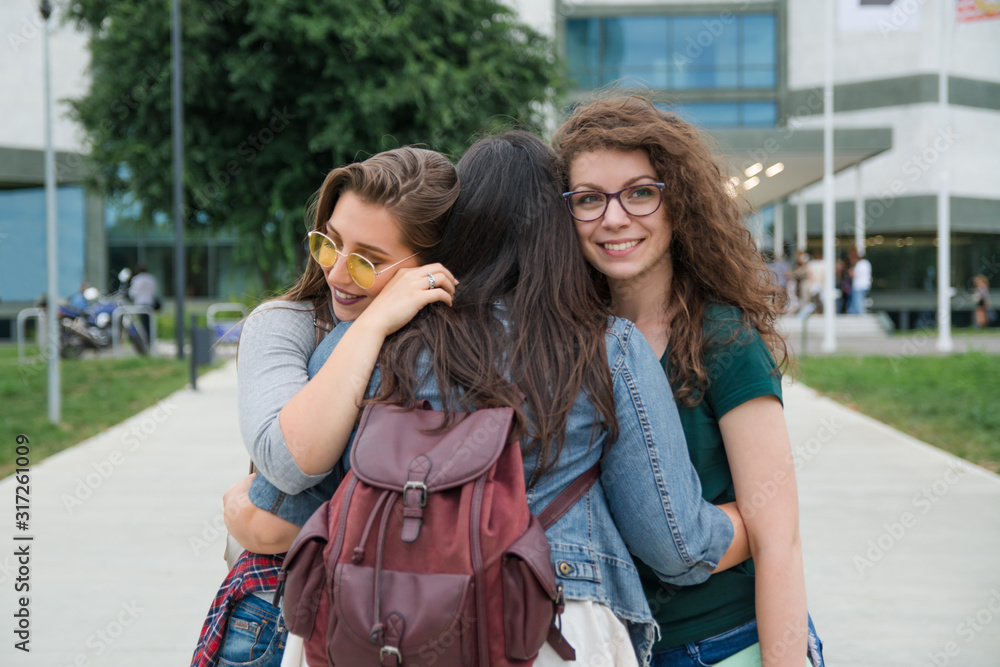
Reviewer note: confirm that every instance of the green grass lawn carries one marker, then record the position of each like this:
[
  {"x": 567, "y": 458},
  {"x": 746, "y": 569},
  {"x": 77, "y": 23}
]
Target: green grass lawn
[
  {"x": 96, "y": 394},
  {"x": 952, "y": 402}
]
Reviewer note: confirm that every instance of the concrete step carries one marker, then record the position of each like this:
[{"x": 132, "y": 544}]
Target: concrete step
[{"x": 871, "y": 325}]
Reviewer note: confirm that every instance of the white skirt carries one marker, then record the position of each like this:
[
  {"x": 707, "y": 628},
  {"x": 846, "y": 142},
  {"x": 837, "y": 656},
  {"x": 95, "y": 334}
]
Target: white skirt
[{"x": 599, "y": 637}]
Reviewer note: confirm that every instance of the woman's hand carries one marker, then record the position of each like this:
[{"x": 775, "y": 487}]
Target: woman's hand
[
  {"x": 405, "y": 294},
  {"x": 255, "y": 529}
]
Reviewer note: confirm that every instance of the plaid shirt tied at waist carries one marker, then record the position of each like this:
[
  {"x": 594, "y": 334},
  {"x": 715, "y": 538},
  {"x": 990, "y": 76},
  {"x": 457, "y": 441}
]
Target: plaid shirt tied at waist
[{"x": 253, "y": 573}]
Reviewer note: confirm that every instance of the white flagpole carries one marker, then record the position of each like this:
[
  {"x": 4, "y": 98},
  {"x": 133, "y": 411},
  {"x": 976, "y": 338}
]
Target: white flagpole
[
  {"x": 51, "y": 231},
  {"x": 779, "y": 229},
  {"x": 944, "y": 343},
  {"x": 829, "y": 258},
  {"x": 800, "y": 221},
  {"x": 859, "y": 213}
]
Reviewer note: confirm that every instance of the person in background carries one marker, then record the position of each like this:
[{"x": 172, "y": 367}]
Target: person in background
[
  {"x": 142, "y": 292},
  {"x": 861, "y": 282},
  {"x": 843, "y": 277},
  {"x": 781, "y": 273},
  {"x": 981, "y": 297}
]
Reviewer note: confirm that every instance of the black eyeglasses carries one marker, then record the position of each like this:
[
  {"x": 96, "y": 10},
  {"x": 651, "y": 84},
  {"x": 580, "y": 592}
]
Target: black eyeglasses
[{"x": 638, "y": 200}]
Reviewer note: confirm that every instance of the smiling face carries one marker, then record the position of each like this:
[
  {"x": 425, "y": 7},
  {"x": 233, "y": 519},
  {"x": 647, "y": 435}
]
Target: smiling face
[
  {"x": 620, "y": 245},
  {"x": 370, "y": 231}
]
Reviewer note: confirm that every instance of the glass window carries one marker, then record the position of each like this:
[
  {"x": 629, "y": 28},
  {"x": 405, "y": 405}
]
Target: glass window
[
  {"x": 23, "y": 254},
  {"x": 583, "y": 51},
  {"x": 711, "y": 114},
  {"x": 635, "y": 48},
  {"x": 759, "y": 43},
  {"x": 705, "y": 52},
  {"x": 674, "y": 52},
  {"x": 759, "y": 114}
]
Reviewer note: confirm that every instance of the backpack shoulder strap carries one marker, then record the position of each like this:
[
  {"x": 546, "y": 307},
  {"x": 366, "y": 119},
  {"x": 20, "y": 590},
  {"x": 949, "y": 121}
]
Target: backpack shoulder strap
[
  {"x": 323, "y": 324},
  {"x": 569, "y": 497}
]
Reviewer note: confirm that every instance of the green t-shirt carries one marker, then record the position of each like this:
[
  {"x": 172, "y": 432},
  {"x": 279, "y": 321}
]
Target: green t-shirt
[{"x": 738, "y": 370}]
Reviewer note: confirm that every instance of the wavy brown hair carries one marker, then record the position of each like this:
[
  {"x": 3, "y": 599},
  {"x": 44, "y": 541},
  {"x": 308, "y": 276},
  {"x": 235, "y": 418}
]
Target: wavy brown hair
[
  {"x": 525, "y": 318},
  {"x": 415, "y": 185},
  {"x": 714, "y": 257}
]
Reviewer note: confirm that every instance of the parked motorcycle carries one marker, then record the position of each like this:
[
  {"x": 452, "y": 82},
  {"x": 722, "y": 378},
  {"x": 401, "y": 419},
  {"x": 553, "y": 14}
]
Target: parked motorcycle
[{"x": 90, "y": 328}]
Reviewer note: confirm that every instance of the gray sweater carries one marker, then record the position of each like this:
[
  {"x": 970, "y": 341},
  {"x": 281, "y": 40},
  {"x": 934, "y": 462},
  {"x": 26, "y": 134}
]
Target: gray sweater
[{"x": 275, "y": 345}]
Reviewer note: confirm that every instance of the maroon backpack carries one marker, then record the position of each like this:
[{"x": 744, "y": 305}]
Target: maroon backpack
[{"x": 428, "y": 554}]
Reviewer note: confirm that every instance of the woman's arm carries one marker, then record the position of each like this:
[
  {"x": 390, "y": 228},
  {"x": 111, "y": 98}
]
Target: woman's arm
[
  {"x": 652, "y": 488},
  {"x": 317, "y": 422},
  {"x": 760, "y": 457},
  {"x": 255, "y": 529}
]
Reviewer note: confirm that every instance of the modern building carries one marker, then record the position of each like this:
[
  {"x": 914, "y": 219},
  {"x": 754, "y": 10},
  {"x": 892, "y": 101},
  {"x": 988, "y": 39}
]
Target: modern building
[
  {"x": 749, "y": 72},
  {"x": 97, "y": 237}
]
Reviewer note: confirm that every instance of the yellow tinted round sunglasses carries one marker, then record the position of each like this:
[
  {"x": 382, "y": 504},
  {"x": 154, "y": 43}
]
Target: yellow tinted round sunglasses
[{"x": 361, "y": 270}]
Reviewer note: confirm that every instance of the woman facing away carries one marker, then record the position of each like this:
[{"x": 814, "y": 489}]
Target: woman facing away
[
  {"x": 381, "y": 216},
  {"x": 670, "y": 253},
  {"x": 527, "y": 314}
]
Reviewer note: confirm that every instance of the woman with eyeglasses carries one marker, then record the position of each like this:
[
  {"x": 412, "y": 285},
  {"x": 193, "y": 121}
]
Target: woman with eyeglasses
[
  {"x": 669, "y": 252},
  {"x": 375, "y": 223}
]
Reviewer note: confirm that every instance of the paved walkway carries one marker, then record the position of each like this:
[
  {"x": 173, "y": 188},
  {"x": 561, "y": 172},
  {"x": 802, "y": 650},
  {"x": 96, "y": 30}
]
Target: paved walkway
[{"x": 902, "y": 542}]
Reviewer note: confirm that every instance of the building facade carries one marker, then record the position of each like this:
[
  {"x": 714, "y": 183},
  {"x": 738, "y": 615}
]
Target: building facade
[{"x": 751, "y": 74}]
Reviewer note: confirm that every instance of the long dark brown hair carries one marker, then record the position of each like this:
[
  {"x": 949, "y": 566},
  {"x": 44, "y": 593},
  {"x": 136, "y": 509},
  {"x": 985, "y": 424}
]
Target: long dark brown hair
[
  {"x": 525, "y": 318},
  {"x": 415, "y": 185},
  {"x": 715, "y": 259}
]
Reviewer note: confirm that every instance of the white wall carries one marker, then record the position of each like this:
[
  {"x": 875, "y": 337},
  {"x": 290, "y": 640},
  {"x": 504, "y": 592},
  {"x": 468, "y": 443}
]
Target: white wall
[
  {"x": 21, "y": 78},
  {"x": 889, "y": 52},
  {"x": 971, "y": 142}
]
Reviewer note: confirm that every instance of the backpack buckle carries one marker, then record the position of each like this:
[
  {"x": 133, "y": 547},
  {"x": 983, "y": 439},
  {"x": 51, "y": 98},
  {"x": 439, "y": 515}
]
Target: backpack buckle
[
  {"x": 418, "y": 486},
  {"x": 388, "y": 652}
]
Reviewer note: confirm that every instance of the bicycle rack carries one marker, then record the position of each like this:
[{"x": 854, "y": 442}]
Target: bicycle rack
[
  {"x": 22, "y": 320},
  {"x": 226, "y": 331}
]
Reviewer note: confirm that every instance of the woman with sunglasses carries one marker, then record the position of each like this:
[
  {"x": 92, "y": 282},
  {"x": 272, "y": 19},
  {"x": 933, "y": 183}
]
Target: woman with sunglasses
[
  {"x": 670, "y": 253},
  {"x": 375, "y": 223}
]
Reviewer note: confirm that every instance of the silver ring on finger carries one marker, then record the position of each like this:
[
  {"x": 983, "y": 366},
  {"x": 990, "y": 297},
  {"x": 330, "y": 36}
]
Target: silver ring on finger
[{"x": 430, "y": 281}]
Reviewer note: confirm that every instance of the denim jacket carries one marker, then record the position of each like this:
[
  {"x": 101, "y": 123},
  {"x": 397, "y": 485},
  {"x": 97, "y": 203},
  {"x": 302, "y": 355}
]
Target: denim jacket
[{"x": 648, "y": 500}]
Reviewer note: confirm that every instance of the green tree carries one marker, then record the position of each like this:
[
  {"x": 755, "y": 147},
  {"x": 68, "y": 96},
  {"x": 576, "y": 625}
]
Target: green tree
[{"x": 278, "y": 92}]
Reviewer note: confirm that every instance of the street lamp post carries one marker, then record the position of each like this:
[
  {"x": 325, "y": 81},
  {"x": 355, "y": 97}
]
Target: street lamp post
[
  {"x": 178, "y": 154},
  {"x": 52, "y": 247}
]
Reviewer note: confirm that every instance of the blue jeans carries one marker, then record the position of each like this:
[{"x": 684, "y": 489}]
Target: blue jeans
[
  {"x": 255, "y": 635},
  {"x": 716, "y": 649},
  {"x": 856, "y": 306}
]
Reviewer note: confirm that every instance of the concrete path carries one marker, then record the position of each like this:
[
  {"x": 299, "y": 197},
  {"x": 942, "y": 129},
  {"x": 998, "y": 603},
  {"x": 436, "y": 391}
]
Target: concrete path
[{"x": 902, "y": 542}]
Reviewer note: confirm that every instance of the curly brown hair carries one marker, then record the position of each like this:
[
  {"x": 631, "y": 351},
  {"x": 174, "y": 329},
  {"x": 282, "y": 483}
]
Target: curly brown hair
[{"x": 714, "y": 256}]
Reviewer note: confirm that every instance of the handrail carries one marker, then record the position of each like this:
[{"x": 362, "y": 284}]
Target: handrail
[
  {"x": 22, "y": 319},
  {"x": 227, "y": 336}
]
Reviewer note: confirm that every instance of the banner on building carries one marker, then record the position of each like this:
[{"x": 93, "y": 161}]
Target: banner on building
[
  {"x": 884, "y": 16},
  {"x": 977, "y": 10}
]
